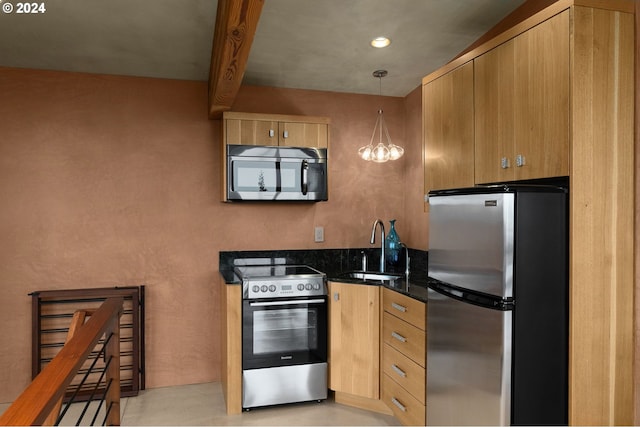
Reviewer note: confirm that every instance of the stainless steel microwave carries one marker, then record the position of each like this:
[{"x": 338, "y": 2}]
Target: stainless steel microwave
[{"x": 276, "y": 173}]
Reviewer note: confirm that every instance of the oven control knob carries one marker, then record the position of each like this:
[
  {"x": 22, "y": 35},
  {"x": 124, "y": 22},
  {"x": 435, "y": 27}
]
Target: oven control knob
[
  {"x": 272, "y": 288},
  {"x": 308, "y": 286},
  {"x": 255, "y": 288},
  {"x": 300, "y": 287},
  {"x": 264, "y": 288},
  {"x": 316, "y": 286}
]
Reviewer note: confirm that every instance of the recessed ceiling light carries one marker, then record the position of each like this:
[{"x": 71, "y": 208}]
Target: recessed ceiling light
[{"x": 380, "y": 42}]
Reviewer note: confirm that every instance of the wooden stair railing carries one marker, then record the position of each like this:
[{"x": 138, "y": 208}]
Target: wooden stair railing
[
  {"x": 41, "y": 399},
  {"x": 77, "y": 320}
]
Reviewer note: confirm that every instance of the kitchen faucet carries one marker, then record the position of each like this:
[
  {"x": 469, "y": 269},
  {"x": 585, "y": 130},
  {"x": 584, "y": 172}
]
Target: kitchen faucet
[{"x": 373, "y": 240}]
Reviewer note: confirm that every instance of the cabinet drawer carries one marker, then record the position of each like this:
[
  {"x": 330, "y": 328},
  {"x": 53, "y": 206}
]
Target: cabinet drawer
[
  {"x": 404, "y": 406},
  {"x": 405, "y": 338},
  {"x": 405, "y": 372},
  {"x": 404, "y": 307}
]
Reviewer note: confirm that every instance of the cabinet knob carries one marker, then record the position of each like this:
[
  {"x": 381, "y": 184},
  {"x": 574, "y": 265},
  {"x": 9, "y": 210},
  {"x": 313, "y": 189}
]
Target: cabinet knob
[
  {"x": 504, "y": 163},
  {"x": 272, "y": 133},
  {"x": 336, "y": 296},
  {"x": 285, "y": 134},
  {"x": 520, "y": 161}
]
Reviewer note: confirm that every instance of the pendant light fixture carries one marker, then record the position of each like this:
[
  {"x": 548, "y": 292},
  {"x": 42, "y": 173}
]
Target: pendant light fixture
[{"x": 380, "y": 152}]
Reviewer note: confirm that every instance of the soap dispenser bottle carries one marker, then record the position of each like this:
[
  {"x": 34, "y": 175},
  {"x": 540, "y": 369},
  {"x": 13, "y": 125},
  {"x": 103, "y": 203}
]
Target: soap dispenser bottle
[{"x": 392, "y": 246}]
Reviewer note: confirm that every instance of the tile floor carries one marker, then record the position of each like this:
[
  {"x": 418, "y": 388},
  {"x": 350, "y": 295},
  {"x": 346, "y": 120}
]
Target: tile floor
[{"x": 203, "y": 404}]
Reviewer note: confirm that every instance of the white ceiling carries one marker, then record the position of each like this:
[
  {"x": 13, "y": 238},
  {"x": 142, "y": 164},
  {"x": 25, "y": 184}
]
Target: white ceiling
[{"x": 310, "y": 44}]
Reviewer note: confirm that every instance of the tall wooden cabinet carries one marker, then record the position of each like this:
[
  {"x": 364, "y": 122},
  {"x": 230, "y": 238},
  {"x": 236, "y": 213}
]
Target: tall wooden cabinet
[
  {"x": 521, "y": 96},
  {"x": 558, "y": 89}
]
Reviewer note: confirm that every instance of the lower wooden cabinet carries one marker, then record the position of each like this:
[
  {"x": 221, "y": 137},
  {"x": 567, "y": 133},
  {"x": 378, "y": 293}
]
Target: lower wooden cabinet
[
  {"x": 404, "y": 337},
  {"x": 403, "y": 404},
  {"x": 354, "y": 339},
  {"x": 404, "y": 371},
  {"x": 231, "y": 343},
  {"x": 377, "y": 357},
  {"x": 404, "y": 357}
]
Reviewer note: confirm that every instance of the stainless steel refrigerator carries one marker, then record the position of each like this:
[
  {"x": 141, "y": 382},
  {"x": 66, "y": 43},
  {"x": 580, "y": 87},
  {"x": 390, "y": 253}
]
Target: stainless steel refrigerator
[{"x": 497, "y": 314}]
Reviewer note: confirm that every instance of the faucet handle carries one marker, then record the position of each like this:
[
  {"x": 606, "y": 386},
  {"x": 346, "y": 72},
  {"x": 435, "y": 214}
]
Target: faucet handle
[{"x": 364, "y": 260}]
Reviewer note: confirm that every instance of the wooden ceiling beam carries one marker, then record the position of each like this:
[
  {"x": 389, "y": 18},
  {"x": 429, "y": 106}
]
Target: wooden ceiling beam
[{"x": 236, "y": 24}]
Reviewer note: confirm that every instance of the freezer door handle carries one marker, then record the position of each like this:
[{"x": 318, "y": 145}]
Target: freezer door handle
[
  {"x": 477, "y": 298},
  {"x": 398, "y": 336}
]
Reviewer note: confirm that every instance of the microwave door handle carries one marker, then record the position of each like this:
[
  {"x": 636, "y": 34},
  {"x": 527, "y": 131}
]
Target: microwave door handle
[{"x": 305, "y": 183}]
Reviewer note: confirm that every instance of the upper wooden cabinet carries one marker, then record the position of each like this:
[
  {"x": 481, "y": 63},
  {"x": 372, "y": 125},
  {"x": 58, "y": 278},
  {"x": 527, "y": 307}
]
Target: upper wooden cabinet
[
  {"x": 521, "y": 90},
  {"x": 274, "y": 129},
  {"x": 447, "y": 103}
]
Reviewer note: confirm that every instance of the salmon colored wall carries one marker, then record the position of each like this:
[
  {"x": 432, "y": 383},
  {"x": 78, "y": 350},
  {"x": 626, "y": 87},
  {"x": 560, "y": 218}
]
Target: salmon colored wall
[{"x": 112, "y": 181}]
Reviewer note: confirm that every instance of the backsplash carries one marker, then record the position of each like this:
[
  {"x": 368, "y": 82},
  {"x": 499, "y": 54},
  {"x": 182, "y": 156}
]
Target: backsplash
[{"x": 329, "y": 261}]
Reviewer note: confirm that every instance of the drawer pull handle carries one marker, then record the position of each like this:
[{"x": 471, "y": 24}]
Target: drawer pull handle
[
  {"x": 398, "y": 404},
  {"x": 398, "y": 337},
  {"x": 399, "y": 371},
  {"x": 399, "y": 307}
]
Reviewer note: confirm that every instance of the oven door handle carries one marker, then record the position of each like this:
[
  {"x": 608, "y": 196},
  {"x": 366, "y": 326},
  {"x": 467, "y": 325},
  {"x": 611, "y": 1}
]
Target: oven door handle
[{"x": 267, "y": 304}]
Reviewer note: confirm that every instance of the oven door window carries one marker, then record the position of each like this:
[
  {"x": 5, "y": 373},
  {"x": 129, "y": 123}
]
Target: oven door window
[{"x": 283, "y": 334}]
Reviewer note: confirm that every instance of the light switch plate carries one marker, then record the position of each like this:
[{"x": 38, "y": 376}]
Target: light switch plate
[{"x": 318, "y": 234}]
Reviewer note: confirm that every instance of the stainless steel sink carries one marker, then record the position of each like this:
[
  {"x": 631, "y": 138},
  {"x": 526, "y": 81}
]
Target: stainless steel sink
[{"x": 372, "y": 276}]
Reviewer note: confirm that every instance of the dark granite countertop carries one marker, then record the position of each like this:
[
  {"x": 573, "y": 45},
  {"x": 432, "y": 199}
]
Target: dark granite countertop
[
  {"x": 333, "y": 262},
  {"x": 415, "y": 288},
  {"x": 229, "y": 277}
]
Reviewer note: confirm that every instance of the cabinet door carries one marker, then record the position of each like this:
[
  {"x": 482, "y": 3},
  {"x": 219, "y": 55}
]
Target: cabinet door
[
  {"x": 354, "y": 339},
  {"x": 251, "y": 132},
  {"x": 448, "y": 130},
  {"x": 494, "y": 79},
  {"x": 542, "y": 99},
  {"x": 522, "y": 105},
  {"x": 304, "y": 134}
]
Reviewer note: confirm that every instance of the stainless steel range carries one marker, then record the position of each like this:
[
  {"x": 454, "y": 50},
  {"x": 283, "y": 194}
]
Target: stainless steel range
[{"x": 284, "y": 334}]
